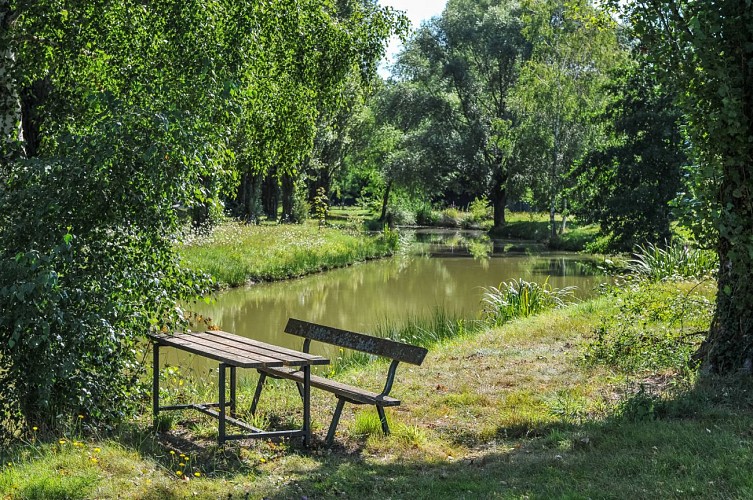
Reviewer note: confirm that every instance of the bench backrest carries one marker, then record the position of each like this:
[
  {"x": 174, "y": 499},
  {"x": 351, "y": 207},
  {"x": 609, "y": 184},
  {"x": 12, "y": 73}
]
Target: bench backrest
[{"x": 357, "y": 341}]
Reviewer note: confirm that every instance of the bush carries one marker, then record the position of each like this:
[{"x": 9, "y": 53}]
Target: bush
[{"x": 658, "y": 326}]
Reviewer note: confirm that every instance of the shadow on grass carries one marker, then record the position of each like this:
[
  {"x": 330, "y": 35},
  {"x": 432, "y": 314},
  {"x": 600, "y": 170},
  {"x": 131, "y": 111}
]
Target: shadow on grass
[{"x": 697, "y": 443}]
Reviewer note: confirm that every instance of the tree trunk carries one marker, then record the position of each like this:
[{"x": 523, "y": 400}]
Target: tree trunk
[
  {"x": 385, "y": 201},
  {"x": 729, "y": 345},
  {"x": 552, "y": 220},
  {"x": 10, "y": 104},
  {"x": 498, "y": 197},
  {"x": 269, "y": 196},
  {"x": 32, "y": 98},
  {"x": 288, "y": 192},
  {"x": 563, "y": 227}
]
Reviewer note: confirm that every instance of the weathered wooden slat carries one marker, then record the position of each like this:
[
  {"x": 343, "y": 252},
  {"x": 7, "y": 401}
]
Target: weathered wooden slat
[
  {"x": 291, "y": 356},
  {"x": 349, "y": 392},
  {"x": 236, "y": 351},
  {"x": 216, "y": 354},
  {"x": 357, "y": 341},
  {"x": 226, "y": 346}
]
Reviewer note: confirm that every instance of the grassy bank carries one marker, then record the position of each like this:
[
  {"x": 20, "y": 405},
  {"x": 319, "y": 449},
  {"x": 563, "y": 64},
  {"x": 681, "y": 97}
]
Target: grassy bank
[
  {"x": 598, "y": 399},
  {"x": 234, "y": 253}
]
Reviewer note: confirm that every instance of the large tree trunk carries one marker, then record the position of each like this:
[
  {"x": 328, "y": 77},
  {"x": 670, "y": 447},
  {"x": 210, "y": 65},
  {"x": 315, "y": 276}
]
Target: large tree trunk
[{"x": 729, "y": 345}]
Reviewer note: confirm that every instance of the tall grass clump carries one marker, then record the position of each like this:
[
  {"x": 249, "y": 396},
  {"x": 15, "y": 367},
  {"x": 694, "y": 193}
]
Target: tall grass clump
[
  {"x": 672, "y": 261},
  {"x": 520, "y": 299},
  {"x": 416, "y": 330}
]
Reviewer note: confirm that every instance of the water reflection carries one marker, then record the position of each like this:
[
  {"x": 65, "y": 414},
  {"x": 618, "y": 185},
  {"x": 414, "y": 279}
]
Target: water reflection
[{"x": 448, "y": 271}]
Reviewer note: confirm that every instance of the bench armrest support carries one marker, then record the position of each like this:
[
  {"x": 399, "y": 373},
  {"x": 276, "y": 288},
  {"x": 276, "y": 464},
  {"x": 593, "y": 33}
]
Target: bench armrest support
[{"x": 390, "y": 377}]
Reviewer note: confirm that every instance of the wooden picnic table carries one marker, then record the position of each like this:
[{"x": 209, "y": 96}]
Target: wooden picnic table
[{"x": 233, "y": 351}]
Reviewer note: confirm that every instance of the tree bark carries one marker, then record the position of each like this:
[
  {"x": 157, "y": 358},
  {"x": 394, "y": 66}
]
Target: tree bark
[
  {"x": 288, "y": 192},
  {"x": 729, "y": 345},
  {"x": 498, "y": 197},
  {"x": 385, "y": 201}
]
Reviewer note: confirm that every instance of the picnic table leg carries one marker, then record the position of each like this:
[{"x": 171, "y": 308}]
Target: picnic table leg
[
  {"x": 221, "y": 431},
  {"x": 257, "y": 393},
  {"x": 155, "y": 384},
  {"x": 306, "y": 405},
  {"x": 232, "y": 391}
]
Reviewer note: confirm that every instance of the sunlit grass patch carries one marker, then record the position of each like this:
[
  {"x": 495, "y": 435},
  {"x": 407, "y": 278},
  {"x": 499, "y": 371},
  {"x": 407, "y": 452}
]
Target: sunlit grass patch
[{"x": 234, "y": 253}]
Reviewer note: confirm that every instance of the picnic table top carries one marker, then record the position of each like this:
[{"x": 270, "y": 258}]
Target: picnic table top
[{"x": 235, "y": 350}]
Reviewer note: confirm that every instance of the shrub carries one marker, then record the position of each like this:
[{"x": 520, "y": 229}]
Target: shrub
[
  {"x": 657, "y": 326},
  {"x": 480, "y": 210},
  {"x": 520, "y": 299}
]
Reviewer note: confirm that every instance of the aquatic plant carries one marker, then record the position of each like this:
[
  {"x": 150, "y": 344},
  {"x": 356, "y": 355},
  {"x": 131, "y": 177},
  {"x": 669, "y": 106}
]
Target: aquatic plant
[{"x": 516, "y": 299}]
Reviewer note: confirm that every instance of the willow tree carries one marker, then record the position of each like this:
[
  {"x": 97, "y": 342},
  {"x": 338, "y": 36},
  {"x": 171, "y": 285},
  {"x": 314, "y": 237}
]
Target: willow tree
[
  {"x": 470, "y": 57},
  {"x": 704, "y": 50},
  {"x": 118, "y": 117},
  {"x": 560, "y": 89}
]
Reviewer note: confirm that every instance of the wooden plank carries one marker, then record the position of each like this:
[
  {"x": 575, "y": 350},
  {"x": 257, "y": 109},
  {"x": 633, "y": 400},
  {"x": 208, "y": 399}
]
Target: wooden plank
[
  {"x": 288, "y": 356},
  {"x": 357, "y": 341},
  {"x": 349, "y": 392},
  {"x": 213, "y": 353},
  {"x": 236, "y": 350}
]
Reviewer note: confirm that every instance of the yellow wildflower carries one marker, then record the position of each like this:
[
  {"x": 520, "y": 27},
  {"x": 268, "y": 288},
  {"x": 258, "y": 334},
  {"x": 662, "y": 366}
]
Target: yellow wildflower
[
  {"x": 197, "y": 474},
  {"x": 178, "y": 472}
]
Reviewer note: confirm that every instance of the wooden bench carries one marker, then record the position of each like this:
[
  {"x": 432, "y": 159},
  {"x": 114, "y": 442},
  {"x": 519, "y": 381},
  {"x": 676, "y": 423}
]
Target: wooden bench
[{"x": 396, "y": 351}]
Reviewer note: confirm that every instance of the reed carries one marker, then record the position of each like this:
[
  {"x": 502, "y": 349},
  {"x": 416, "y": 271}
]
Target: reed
[
  {"x": 520, "y": 299},
  {"x": 672, "y": 261}
]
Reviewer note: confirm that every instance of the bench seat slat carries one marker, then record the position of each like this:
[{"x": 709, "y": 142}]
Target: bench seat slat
[{"x": 349, "y": 392}]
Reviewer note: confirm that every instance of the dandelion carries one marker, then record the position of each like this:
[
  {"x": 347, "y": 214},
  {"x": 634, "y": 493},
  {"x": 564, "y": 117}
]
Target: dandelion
[
  {"x": 263, "y": 460},
  {"x": 181, "y": 464},
  {"x": 197, "y": 474},
  {"x": 35, "y": 428},
  {"x": 80, "y": 417},
  {"x": 186, "y": 459},
  {"x": 178, "y": 472},
  {"x": 97, "y": 450},
  {"x": 94, "y": 460},
  {"x": 172, "y": 452},
  {"x": 62, "y": 441}
]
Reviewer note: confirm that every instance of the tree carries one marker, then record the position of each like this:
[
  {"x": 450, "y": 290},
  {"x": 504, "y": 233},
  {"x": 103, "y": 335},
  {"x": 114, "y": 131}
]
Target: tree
[
  {"x": 117, "y": 118},
  {"x": 626, "y": 185},
  {"x": 704, "y": 50},
  {"x": 559, "y": 89},
  {"x": 468, "y": 60}
]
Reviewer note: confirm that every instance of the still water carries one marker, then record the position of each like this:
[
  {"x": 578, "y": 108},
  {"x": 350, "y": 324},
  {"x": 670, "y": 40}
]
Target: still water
[{"x": 438, "y": 271}]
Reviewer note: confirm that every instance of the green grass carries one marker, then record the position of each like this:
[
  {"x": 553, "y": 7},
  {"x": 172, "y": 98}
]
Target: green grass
[
  {"x": 527, "y": 409},
  {"x": 235, "y": 254}
]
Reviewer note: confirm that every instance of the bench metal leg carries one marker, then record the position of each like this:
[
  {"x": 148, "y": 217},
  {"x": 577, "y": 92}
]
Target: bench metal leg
[
  {"x": 155, "y": 384},
  {"x": 306, "y": 406},
  {"x": 383, "y": 419},
  {"x": 221, "y": 430},
  {"x": 335, "y": 420},
  {"x": 232, "y": 391},
  {"x": 257, "y": 393}
]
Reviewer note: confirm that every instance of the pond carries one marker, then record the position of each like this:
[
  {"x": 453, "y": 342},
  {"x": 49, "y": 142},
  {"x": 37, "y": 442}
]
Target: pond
[{"x": 438, "y": 270}]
